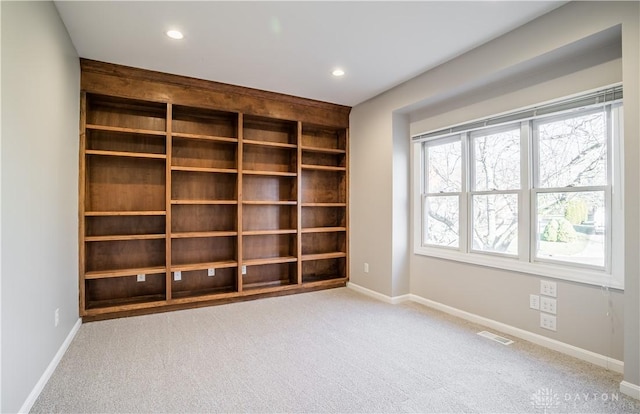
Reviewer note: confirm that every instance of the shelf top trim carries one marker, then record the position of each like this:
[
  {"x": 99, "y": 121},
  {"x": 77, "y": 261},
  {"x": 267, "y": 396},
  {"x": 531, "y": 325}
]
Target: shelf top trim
[{"x": 106, "y": 79}]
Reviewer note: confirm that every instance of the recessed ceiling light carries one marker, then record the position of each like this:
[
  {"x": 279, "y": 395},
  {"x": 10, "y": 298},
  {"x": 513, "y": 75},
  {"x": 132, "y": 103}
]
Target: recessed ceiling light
[
  {"x": 175, "y": 34},
  {"x": 338, "y": 72}
]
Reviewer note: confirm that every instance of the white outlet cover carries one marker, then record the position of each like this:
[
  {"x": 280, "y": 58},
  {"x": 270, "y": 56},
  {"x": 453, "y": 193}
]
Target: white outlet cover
[
  {"x": 547, "y": 321},
  {"x": 211, "y": 272},
  {"x": 548, "y": 305},
  {"x": 244, "y": 270},
  {"x": 548, "y": 288},
  {"x": 534, "y": 302},
  {"x": 177, "y": 275},
  {"x": 140, "y": 277}
]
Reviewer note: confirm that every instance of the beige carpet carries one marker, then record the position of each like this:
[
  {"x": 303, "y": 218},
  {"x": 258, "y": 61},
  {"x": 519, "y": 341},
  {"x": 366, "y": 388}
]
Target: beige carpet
[{"x": 331, "y": 351}]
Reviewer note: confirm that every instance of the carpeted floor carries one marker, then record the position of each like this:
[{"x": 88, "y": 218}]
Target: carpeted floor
[{"x": 333, "y": 351}]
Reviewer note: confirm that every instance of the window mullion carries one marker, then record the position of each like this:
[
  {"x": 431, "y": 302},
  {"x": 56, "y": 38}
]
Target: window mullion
[
  {"x": 607, "y": 194},
  {"x": 524, "y": 195},
  {"x": 464, "y": 202}
]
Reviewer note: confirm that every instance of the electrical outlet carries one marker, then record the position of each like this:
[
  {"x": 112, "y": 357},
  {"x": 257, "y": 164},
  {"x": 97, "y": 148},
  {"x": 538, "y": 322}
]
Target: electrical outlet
[
  {"x": 244, "y": 270},
  {"x": 177, "y": 276},
  {"x": 534, "y": 301},
  {"x": 548, "y": 288},
  {"x": 56, "y": 317},
  {"x": 548, "y": 321},
  {"x": 366, "y": 267},
  {"x": 140, "y": 277},
  {"x": 548, "y": 305},
  {"x": 211, "y": 272}
]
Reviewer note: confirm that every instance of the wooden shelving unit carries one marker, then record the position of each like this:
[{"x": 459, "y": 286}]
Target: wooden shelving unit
[
  {"x": 324, "y": 223},
  {"x": 193, "y": 192}
]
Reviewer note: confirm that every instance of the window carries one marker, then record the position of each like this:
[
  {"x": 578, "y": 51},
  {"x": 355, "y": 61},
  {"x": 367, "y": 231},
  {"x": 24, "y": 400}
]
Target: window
[
  {"x": 495, "y": 178},
  {"x": 571, "y": 187},
  {"x": 443, "y": 190},
  {"x": 531, "y": 191}
]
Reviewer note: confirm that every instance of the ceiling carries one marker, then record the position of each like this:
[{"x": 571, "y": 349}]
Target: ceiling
[{"x": 292, "y": 47}]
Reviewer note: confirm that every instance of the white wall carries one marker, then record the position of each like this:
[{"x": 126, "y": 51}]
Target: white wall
[
  {"x": 39, "y": 170},
  {"x": 521, "y": 68},
  {"x": 371, "y": 197}
]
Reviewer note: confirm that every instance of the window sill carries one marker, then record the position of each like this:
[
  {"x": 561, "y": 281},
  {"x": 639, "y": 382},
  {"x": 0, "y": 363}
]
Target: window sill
[{"x": 573, "y": 274}]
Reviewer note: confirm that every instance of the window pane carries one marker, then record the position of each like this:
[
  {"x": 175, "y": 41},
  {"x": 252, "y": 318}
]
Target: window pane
[
  {"x": 497, "y": 160},
  {"x": 444, "y": 172},
  {"x": 441, "y": 223},
  {"x": 573, "y": 151},
  {"x": 495, "y": 223},
  {"x": 571, "y": 227}
]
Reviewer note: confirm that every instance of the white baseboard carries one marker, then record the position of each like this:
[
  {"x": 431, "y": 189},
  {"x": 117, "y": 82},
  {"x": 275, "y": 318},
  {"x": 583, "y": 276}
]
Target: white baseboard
[
  {"x": 35, "y": 393},
  {"x": 583, "y": 354},
  {"x": 384, "y": 298},
  {"x": 632, "y": 390}
]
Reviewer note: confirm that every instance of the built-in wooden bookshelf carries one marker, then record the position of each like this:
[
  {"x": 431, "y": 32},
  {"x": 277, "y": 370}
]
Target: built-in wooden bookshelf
[{"x": 194, "y": 193}]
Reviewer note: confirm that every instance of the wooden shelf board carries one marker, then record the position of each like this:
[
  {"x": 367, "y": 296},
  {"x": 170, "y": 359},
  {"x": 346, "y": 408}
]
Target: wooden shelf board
[
  {"x": 269, "y": 203},
  {"x": 120, "y": 305},
  {"x": 105, "y": 274},
  {"x": 100, "y": 309},
  {"x": 324, "y": 281},
  {"x": 269, "y": 260},
  {"x": 320, "y": 278},
  {"x": 269, "y": 144},
  {"x": 124, "y": 237},
  {"x": 194, "y": 234},
  {"x": 212, "y": 202},
  {"x": 204, "y": 169},
  {"x": 203, "y": 137},
  {"x": 268, "y": 232},
  {"x": 324, "y": 204},
  {"x": 126, "y": 154},
  {"x": 271, "y": 173},
  {"x": 323, "y": 150},
  {"x": 201, "y": 295},
  {"x": 322, "y": 256},
  {"x": 322, "y": 167},
  {"x": 124, "y": 213},
  {"x": 323, "y": 229},
  {"x": 125, "y": 130},
  {"x": 203, "y": 266},
  {"x": 273, "y": 283}
]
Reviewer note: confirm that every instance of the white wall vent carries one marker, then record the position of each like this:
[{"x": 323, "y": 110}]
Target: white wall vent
[{"x": 497, "y": 338}]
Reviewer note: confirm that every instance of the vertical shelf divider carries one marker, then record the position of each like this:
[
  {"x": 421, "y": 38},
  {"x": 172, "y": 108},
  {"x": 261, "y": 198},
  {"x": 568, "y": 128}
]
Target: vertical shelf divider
[
  {"x": 299, "y": 205},
  {"x": 347, "y": 201},
  {"x": 239, "y": 199},
  {"x": 81, "y": 200},
  {"x": 168, "y": 163}
]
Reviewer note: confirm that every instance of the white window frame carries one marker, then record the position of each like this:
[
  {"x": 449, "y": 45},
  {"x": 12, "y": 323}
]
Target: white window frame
[
  {"x": 473, "y": 192},
  {"x": 611, "y": 275},
  {"x": 606, "y": 188},
  {"x": 463, "y": 189}
]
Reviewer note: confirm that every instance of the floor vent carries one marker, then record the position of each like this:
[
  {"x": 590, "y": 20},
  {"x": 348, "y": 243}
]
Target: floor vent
[{"x": 497, "y": 338}]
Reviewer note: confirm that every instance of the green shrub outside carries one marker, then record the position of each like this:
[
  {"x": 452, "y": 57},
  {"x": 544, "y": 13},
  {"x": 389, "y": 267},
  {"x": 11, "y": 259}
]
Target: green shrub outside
[
  {"x": 550, "y": 232},
  {"x": 576, "y": 211},
  {"x": 559, "y": 230}
]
